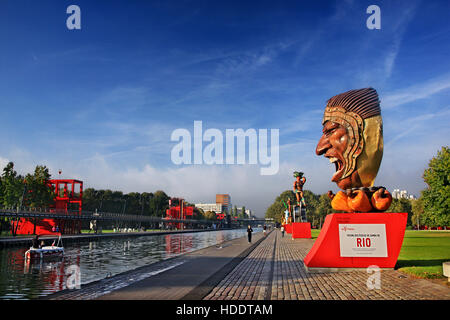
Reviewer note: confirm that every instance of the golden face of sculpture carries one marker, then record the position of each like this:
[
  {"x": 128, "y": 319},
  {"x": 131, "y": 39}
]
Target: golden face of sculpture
[
  {"x": 333, "y": 145},
  {"x": 352, "y": 138}
]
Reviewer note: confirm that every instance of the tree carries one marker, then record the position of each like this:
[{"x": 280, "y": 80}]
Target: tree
[
  {"x": 39, "y": 193},
  {"x": 276, "y": 209},
  {"x": 417, "y": 209},
  {"x": 12, "y": 186},
  {"x": 436, "y": 198},
  {"x": 401, "y": 205},
  {"x": 199, "y": 214},
  {"x": 210, "y": 215},
  {"x": 133, "y": 205},
  {"x": 159, "y": 203},
  {"x": 242, "y": 215},
  {"x": 312, "y": 202},
  {"x": 145, "y": 202},
  {"x": 323, "y": 208},
  {"x": 90, "y": 202}
]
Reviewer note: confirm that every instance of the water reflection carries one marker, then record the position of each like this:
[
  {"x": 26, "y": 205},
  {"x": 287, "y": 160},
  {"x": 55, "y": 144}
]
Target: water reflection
[
  {"x": 178, "y": 244},
  {"x": 96, "y": 260}
]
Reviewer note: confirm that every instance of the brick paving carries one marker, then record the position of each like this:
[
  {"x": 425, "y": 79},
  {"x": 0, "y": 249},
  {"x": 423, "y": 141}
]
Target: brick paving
[{"x": 274, "y": 270}]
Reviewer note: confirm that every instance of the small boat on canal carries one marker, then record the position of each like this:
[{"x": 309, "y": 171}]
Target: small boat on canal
[{"x": 45, "y": 252}]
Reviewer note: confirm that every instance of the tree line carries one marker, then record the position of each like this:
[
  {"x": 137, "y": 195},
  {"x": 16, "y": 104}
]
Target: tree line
[
  {"x": 145, "y": 203},
  {"x": 431, "y": 209},
  {"x": 32, "y": 191}
]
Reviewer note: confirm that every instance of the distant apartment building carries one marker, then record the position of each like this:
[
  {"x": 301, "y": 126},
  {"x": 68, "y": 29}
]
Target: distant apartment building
[
  {"x": 402, "y": 194},
  {"x": 225, "y": 201},
  {"x": 216, "y": 207}
]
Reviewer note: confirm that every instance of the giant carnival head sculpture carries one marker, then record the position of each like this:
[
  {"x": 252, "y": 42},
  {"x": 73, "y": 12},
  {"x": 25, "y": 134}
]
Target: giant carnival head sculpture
[{"x": 352, "y": 139}]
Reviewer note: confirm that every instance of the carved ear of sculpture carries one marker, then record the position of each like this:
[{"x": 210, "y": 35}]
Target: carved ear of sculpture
[{"x": 369, "y": 161}]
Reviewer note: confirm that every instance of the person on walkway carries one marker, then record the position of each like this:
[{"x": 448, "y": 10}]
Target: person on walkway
[
  {"x": 265, "y": 230},
  {"x": 249, "y": 233},
  {"x": 35, "y": 242},
  {"x": 282, "y": 231}
]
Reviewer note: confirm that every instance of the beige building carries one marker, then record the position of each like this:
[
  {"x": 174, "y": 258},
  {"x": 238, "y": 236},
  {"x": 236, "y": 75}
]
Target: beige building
[{"x": 216, "y": 207}]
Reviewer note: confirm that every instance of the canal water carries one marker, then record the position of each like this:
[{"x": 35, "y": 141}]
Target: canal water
[{"x": 97, "y": 260}]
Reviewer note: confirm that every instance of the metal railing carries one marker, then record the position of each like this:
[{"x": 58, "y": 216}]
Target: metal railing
[{"x": 47, "y": 213}]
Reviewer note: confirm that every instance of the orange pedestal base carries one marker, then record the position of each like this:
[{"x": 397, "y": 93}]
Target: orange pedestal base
[
  {"x": 301, "y": 230},
  {"x": 358, "y": 240}
]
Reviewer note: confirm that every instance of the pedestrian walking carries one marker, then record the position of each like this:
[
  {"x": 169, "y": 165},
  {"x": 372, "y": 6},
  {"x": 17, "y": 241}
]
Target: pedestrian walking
[
  {"x": 249, "y": 233},
  {"x": 35, "y": 242},
  {"x": 265, "y": 230},
  {"x": 282, "y": 231}
]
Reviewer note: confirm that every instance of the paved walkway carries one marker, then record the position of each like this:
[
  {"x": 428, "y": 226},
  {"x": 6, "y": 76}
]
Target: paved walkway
[
  {"x": 269, "y": 269},
  {"x": 275, "y": 271}
]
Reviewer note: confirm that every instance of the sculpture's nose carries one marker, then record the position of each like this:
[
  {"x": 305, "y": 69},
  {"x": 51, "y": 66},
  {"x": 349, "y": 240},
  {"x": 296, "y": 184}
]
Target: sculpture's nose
[{"x": 323, "y": 145}]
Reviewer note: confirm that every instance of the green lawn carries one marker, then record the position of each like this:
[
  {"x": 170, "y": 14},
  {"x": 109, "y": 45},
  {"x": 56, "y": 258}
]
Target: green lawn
[
  {"x": 315, "y": 233},
  {"x": 422, "y": 254}
]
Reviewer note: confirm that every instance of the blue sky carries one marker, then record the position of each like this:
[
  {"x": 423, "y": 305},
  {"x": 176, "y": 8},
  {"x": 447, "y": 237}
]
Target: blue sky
[{"x": 100, "y": 103}]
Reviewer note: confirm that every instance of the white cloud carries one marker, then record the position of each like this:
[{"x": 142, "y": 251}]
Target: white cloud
[
  {"x": 417, "y": 91},
  {"x": 3, "y": 163},
  {"x": 398, "y": 30}
]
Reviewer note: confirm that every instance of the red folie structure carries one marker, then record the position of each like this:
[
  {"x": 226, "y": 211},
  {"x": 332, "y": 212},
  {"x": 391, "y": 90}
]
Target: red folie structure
[
  {"x": 179, "y": 212},
  {"x": 301, "y": 230},
  {"x": 358, "y": 240},
  {"x": 69, "y": 195},
  {"x": 68, "y": 200}
]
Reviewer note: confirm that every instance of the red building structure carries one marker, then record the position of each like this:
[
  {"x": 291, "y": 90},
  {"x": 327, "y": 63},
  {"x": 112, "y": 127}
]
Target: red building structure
[
  {"x": 68, "y": 200},
  {"x": 178, "y": 212},
  {"x": 220, "y": 216}
]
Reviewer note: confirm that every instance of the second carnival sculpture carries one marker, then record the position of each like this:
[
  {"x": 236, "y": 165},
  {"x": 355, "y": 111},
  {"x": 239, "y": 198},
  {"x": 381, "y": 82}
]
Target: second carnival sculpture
[{"x": 353, "y": 140}]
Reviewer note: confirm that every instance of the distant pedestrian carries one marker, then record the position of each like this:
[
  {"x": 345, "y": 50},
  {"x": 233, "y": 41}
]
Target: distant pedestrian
[
  {"x": 35, "y": 242},
  {"x": 265, "y": 230},
  {"x": 282, "y": 231},
  {"x": 249, "y": 233}
]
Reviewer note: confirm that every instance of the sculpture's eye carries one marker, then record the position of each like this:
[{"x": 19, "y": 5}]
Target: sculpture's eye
[{"x": 329, "y": 132}]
